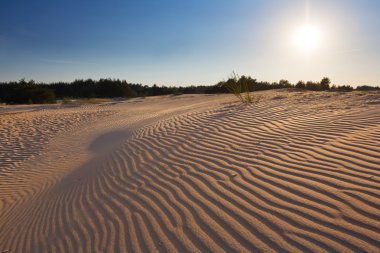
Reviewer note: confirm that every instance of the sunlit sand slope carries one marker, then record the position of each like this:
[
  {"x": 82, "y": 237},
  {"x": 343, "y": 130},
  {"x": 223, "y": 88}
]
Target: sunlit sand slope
[{"x": 297, "y": 172}]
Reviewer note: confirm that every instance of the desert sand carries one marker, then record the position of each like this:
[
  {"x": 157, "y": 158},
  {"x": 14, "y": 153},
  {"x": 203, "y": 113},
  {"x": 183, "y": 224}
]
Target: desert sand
[{"x": 295, "y": 172}]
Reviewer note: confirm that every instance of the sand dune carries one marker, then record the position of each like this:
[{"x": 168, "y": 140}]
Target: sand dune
[{"x": 297, "y": 172}]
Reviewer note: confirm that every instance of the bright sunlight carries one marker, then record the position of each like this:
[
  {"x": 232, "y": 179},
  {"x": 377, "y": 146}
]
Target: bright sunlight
[{"x": 307, "y": 37}]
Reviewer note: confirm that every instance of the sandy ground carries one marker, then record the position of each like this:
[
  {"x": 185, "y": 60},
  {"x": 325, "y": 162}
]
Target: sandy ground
[{"x": 296, "y": 172}]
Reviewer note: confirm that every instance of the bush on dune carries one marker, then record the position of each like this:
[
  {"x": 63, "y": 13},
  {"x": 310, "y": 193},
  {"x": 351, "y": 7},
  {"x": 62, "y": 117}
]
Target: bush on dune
[{"x": 239, "y": 87}]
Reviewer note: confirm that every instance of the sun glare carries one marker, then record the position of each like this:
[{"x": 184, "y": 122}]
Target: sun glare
[{"x": 307, "y": 37}]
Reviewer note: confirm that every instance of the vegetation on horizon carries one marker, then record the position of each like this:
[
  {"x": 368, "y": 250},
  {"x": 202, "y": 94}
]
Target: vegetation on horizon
[{"x": 30, "y": 92}]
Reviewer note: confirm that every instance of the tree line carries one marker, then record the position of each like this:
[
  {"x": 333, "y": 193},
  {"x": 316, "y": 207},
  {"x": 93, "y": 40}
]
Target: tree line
[{"x": 30, "y": 92}]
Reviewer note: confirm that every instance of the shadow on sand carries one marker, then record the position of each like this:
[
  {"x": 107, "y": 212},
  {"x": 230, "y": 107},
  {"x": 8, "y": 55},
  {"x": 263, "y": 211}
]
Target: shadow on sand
[{"x": 107, "y": 142}]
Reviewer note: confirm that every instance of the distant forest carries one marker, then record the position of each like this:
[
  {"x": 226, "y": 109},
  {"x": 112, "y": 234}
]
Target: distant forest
[{"x": 30, "y": 92}]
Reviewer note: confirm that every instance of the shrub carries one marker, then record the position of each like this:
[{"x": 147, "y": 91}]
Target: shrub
[{"x": 237, "y": 86}]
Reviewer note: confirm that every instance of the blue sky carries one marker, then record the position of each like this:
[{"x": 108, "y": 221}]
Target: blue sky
[{"x": 197, "y": 42}]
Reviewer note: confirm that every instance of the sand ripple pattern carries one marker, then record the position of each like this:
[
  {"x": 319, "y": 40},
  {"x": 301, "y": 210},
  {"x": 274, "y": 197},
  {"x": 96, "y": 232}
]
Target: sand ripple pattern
[
  {"x": 25, "y": 134},
  {"x": 279, "y": 176}
]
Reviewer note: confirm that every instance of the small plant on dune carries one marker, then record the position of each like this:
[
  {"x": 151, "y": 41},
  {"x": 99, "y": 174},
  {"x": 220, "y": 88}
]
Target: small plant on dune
[{"x": 239, "y": 87}]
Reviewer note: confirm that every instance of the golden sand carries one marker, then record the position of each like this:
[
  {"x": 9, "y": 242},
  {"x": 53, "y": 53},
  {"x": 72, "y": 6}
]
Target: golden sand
[{"x": 296, "y": 172}]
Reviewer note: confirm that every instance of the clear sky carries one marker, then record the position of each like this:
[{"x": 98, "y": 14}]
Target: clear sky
[{"x": 178, "y": 42}]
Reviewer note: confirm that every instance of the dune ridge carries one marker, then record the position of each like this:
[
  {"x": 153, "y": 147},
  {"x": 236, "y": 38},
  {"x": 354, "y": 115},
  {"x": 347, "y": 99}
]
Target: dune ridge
[{"x": 297, "y": 172}]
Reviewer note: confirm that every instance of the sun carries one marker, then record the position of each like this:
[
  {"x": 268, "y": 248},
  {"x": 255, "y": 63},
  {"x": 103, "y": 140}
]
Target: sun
[{"x": 307, "y": 37}]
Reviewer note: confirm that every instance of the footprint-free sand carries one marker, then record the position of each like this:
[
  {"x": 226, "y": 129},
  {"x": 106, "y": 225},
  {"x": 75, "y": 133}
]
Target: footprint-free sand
[{"x": 295, "y": 172}]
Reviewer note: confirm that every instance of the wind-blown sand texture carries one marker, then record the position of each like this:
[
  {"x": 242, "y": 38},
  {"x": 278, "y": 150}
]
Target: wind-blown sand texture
[{"x": 297, "y": 172}]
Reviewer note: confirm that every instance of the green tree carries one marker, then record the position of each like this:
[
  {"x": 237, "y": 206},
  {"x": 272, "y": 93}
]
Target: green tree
[
  {"x": 284, "y": 83},
  {"x": 325, "y": 83},
  {"x": 301, "y": 85}
]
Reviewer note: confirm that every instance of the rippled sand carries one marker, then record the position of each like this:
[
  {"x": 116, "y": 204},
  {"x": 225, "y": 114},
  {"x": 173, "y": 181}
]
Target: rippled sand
[{"x": 296, "y": 172}]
